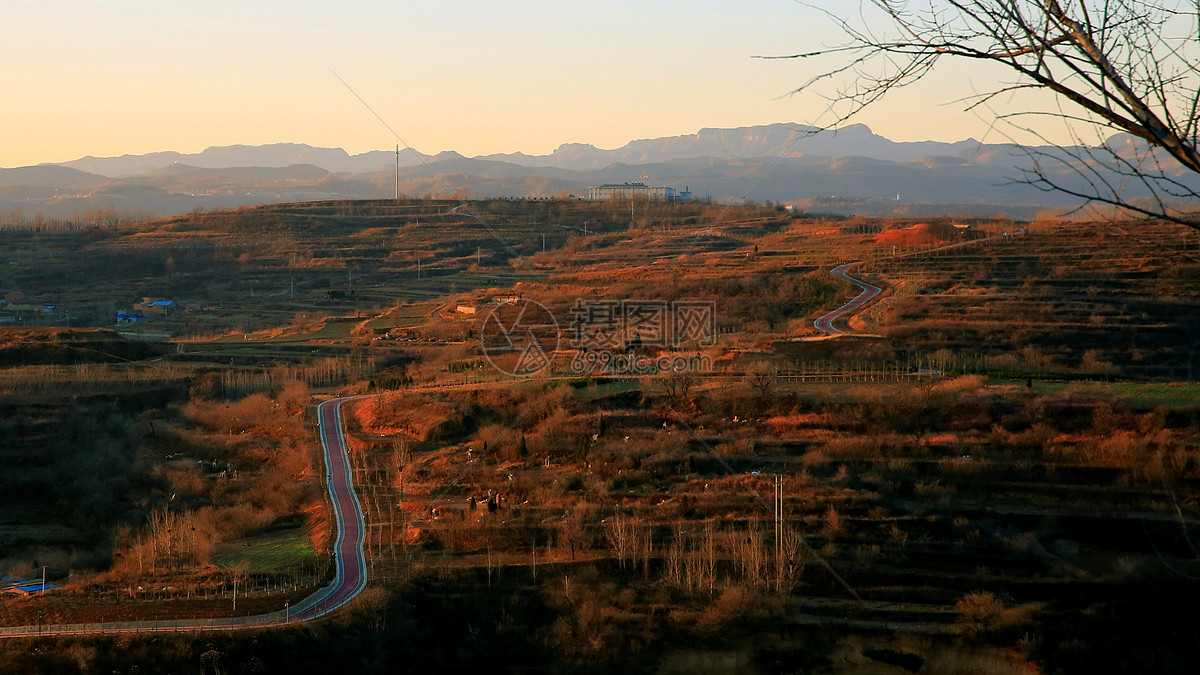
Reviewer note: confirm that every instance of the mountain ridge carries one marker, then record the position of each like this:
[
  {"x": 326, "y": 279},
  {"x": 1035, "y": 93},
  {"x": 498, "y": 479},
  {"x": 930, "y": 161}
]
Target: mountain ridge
[
  {"x": 271, "y": 155},
  {"x": 749, "y": 142},
  {"x": 780, "y": 162}
]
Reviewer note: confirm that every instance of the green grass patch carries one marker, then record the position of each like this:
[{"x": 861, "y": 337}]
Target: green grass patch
[
  {"x": 266, "y": 553},
  {"x": 404, "y": 316},
  {"x": 1135, "y": 394},
  {"x": 1150, "y": 395},
  {"x": 332, "y": 329},
  {"x": 595, "y": 391}
]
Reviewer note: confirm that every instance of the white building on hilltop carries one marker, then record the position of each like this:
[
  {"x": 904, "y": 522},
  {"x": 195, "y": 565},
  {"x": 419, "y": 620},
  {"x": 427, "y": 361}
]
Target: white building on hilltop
[{"x": 637, "y": 190}]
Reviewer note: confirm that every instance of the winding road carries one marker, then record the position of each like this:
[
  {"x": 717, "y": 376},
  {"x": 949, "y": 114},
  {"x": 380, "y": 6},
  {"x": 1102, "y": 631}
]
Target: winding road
[
  {"x": 824, "y": 323},
  {"x": 349, "y": 581}
]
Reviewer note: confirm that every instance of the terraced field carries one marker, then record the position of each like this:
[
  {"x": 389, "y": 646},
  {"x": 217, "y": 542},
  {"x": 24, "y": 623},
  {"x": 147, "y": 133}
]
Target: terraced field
[
  {"x": 1080, "y": 297},
  {"x": 1004, "y": 479}
]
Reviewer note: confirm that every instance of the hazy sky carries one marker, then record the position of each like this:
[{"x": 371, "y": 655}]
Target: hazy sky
[{"x": 121, "y": 76}]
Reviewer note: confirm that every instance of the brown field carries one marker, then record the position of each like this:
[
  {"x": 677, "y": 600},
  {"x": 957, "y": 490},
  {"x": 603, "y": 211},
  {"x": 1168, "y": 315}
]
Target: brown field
[{"x": 1003, "y": 479}]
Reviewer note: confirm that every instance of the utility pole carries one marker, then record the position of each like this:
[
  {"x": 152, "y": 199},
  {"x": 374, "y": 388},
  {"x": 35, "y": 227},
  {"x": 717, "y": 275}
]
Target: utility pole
[
  {"x": 43, "y": 579},
  {"x": 779, "y": 529},
  {"x": 397, "y": 172}
]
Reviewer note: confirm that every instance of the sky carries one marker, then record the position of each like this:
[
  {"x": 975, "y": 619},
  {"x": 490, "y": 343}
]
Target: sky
[{"x": 130, "y": 77}]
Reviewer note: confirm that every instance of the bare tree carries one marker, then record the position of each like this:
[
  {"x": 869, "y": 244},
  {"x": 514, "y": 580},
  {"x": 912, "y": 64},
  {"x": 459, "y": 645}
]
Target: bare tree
[
  {"x": 761, "y": 375},
  {"x": 675, "y": 386},
  {"x": 619, "y": 534},
  {"x": 1111, "y": 66}
]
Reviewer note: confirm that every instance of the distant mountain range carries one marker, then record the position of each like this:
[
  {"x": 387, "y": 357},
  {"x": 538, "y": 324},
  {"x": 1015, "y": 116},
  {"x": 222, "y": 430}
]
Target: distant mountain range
[
  {"x": 769, "y": 141},
  {"x": 276, "y": 155},
  {"x": 851, "y": 170}
]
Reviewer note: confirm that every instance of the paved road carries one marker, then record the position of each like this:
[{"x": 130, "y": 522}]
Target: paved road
[
  {"x": 824, "y": 323},
  {"x": 351, "y": 563},
  {"x": 348, "y": 549}
]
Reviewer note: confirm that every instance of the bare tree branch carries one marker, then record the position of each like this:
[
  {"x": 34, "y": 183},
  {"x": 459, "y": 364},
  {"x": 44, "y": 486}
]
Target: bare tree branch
[{"x": 1130, "y": 66}]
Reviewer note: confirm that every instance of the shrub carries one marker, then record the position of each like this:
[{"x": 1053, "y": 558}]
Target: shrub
[
  {"x": 978, "y": 612},
  {"x": 981, "y": 612}
]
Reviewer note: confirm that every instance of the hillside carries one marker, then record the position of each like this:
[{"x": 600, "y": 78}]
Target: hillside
[{"x": 992, "y": 470}]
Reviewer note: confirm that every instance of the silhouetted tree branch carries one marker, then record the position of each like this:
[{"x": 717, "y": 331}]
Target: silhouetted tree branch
[{"x": 1119, "y": 66}]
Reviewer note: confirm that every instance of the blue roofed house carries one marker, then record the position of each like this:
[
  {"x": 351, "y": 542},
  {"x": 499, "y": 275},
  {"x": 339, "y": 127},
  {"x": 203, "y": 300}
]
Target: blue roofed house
[
  {"x": 130, "y": 317},
  {"x": 155, "y": 306},
  {"x": 29, "y": 588}
]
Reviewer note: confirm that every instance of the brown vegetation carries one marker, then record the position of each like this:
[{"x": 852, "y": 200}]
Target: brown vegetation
[{"x": 945, "y": 473}]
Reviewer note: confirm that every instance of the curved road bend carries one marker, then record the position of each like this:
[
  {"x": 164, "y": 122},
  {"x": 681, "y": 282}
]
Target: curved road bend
[
  {"x": 349, "y": 581},
  {"x": 824, "y": 323}
]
